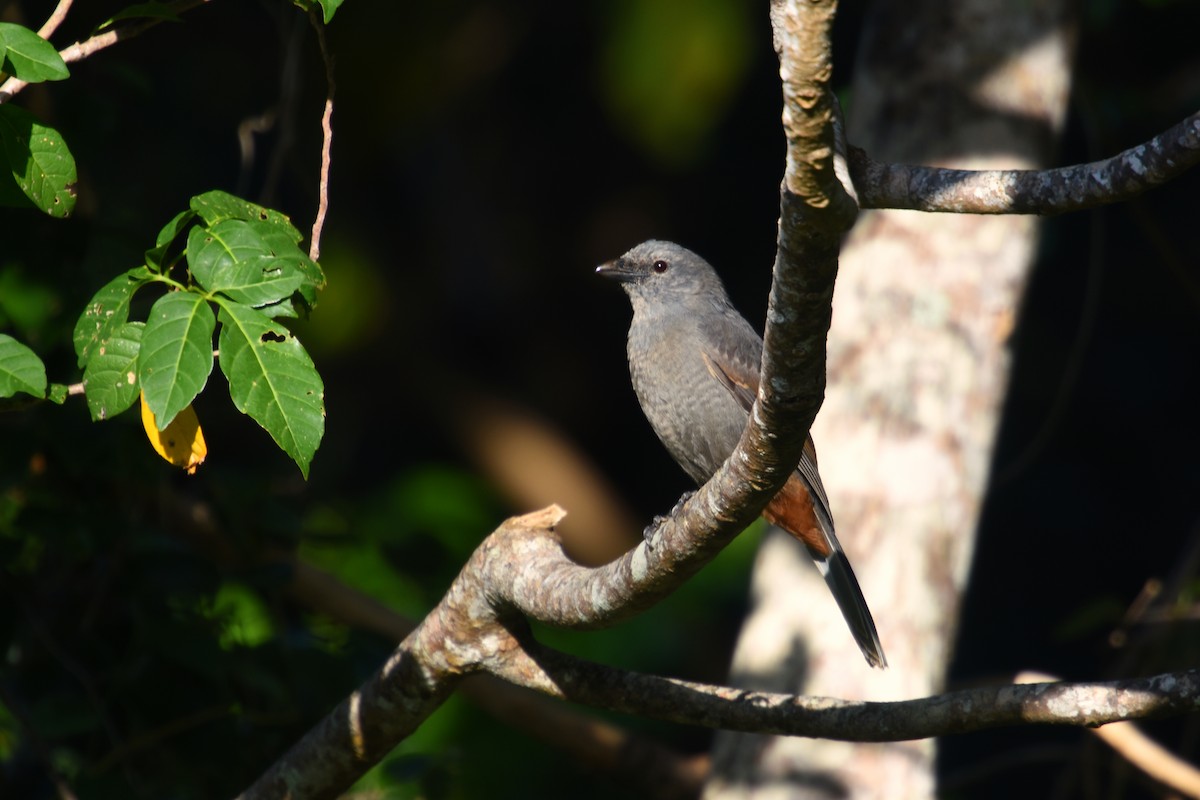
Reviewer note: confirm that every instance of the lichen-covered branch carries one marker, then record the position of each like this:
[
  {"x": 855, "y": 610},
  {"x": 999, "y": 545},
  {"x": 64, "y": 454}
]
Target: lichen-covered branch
[
  {"x": 520, "y": 570},
  {"x": 475, "y": 629},
  {"x": 1049, "y": 191},
  {"x": 1073, "y": 704}
]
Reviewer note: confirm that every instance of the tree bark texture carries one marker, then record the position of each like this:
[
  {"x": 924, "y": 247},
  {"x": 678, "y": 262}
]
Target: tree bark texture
[{"x": 917, "y": 370}]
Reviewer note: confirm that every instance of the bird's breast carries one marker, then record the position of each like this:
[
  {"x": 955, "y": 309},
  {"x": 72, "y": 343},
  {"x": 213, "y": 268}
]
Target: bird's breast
[{"x": 696, "y": 418}]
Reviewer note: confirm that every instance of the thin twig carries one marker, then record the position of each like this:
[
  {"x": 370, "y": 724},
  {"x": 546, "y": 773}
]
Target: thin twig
[
  {"x": 314, "y": 250},
  {"x": 56, "y": 18},
  {"x": 81, "y": 50}
]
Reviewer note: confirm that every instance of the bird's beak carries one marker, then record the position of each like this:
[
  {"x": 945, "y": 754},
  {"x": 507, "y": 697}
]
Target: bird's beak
[{"x": 616, "y": 270}]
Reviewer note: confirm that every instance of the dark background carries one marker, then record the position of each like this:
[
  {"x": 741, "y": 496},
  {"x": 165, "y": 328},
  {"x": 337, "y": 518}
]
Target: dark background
[{"x": 487, "y": 156}]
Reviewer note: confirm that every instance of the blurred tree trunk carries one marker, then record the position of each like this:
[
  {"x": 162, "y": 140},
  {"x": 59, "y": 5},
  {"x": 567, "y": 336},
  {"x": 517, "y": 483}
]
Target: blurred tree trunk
[{"x": 917, "y": 370}]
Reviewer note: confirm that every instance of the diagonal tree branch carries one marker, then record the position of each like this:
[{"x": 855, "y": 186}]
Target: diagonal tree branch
[
  {"x": 1050, "y": 191},
  {"x": 521, "y": 569}
]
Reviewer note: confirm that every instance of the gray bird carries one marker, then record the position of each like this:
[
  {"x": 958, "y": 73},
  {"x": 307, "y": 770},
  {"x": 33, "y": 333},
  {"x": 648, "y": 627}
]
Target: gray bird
[{"x": 694, "y": 361}]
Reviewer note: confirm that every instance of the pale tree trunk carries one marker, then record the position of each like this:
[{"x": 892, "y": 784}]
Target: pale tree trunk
[{"x": 917, "y": 370}]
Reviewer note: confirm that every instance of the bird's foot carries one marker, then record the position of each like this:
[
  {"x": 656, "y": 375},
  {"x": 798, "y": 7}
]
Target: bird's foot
[{"x": 656, "y": 523}]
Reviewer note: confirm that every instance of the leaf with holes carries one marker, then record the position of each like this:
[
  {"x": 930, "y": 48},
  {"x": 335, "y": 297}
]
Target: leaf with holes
[
  {"x": 231, "y": 257},
  {"x": 38, "y": 161},
  {"x": 284, "y": 247},
  {"x": 110, "y": 381},
  {"x": 29, "y": 57},
  {"x": 20, "y": 369},
  {"x": 272, "y": 379},
  {"x": 106, "y": 311},
  {"x": 217, "y": 206},
  {"x": 176, "y": 356}
]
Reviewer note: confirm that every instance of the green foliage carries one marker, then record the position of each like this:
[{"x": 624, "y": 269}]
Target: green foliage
[
  {"x": 328, "y": 7},
  {"x": 242, "y": 256},
  {"x": 176, "y": 353},
  {"x": 272, "y": 379},
  {"x": 168, "y": 654},
  {"x": 111, "y": 375},
  {"x": 40, "y": 168},
  {"x": 29, "y": 57},
  {"x": 20, "y": 369}
]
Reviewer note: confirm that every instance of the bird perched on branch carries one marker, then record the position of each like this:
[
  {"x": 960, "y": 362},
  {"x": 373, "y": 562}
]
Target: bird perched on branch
[{"x": 695, "y": 361}]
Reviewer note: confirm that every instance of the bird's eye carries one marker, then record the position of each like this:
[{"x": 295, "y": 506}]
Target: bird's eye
[{"x": 660, "y": 266}]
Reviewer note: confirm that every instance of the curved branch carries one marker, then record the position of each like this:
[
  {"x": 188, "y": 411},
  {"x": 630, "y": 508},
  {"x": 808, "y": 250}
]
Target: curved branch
[
  {"x": 521, "y": 568},
  {"x": 1051, "y": 191}
]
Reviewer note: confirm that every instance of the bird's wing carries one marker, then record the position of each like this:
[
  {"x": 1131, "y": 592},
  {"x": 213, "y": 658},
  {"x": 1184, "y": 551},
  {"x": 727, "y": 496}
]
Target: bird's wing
[{"x": 734, "y": 362}]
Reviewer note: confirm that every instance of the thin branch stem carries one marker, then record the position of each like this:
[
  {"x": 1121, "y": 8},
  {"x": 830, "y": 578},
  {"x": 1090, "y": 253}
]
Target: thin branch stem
[
  {"x": 314, "y": 251},
  {"x": 56, "y": 18},
  {"x": 1051, "y": 191}
]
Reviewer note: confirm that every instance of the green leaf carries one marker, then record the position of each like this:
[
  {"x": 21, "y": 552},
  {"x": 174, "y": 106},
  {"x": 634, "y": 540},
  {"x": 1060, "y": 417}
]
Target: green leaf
[
  {"x": 39, "y": 161},
  {"x": 156, "y": 255},
  {"x": 284, "y": 309},
  {"x": 110, "y": 381},
  {"x": 217, "y": 206},
  {"x": 20, "y": 369},
  {"x": 58, "y": 393},
  {"x": 176, "y": 356},
  {"x": 158, "y": 11},
  {"x": 214, "y": 250},
  {"x": 28, "y": 56},
  {"x": 285, "y": 247},
  {"x": 329, "y": 7},
  {"x": 231, "y": 257},
  {"x": 272, "y": 379},
  {"x": 107, "y": 310},
  {"x": 260, "y": 282}
]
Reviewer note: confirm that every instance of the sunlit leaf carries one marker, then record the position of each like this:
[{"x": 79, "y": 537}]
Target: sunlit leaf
[
  {"x": 272, "y": 379},
  {"x": 20, "y": 369},
  {"x": 330, "y": 7},
  {"x": 38, "y": 160},
  {"x": 217, "y": 206},
  {"x": 181, "y": 442},
  {"x": 231, "y": 257},
  {"x": 110, "y": 381},
  {"x": 176, "y": 356},
  {"x": 28, "y": 56},
  {"x": 106, "y": 311}
]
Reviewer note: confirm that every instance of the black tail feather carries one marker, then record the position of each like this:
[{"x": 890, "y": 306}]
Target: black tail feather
[{"x": 839, "y": 577}]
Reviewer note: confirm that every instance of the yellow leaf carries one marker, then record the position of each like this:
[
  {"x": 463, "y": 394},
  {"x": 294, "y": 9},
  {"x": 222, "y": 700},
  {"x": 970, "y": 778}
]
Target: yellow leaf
[{"x": 181, "y": 443}]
